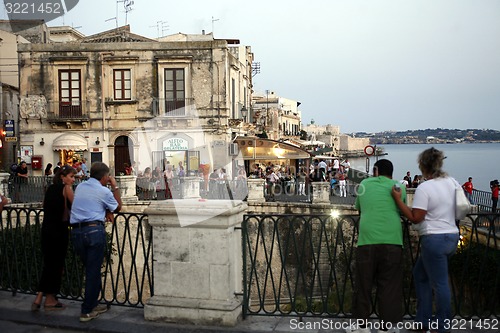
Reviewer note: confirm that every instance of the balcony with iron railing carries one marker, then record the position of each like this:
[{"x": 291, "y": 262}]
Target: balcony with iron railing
[
  {"x": 76, "y": 110},
  {"x": 173, "y": 107}
]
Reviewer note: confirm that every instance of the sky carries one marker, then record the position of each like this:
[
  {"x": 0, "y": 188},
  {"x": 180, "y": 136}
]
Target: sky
[{"x": 364, "y": 65}]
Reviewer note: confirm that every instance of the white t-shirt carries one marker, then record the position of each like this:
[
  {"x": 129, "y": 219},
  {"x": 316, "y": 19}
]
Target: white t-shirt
[{"x": 437, "y": 197}]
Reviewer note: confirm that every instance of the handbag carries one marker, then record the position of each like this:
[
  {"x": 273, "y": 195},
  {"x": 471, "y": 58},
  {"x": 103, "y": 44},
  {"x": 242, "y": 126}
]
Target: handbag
[{"x": 462, "y": 204}]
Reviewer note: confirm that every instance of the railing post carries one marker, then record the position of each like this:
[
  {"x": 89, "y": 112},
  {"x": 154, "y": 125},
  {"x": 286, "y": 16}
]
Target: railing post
[
  {"x": 127, "y": 186},
  {"x": 321, "y": 192},
  {"x": 4, "y": 181},
  {"x": 191, "y": 187},
  {"x": 256, "y": 190},
  {"x": 198, "y": 261}
]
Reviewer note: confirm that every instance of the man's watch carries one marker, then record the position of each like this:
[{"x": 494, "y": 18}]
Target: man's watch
[{"x": 115, "y": 188}]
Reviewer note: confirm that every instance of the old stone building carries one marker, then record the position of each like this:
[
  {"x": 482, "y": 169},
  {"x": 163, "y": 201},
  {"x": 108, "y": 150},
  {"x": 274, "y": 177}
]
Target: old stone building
[
  {"x": 123, "y": 98},
  {"x": 280, "y": 117}
]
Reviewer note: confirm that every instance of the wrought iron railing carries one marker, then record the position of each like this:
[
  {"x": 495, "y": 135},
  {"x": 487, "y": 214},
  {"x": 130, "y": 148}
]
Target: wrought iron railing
[
  {"x": 304, "y": 266},
  {"x": 483, "y": 200},
  {"x": 31, "y": 189},
  {"x": 64, "y": 111},
  {"x": 173, "y": 107},
  {"x": 127, "y": 269}
]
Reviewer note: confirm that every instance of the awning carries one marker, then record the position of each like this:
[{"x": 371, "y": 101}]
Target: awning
[
  {"x": 69, "y": 142},
  {"x": 253, "y": 148}
]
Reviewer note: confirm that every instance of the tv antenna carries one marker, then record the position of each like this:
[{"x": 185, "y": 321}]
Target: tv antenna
[
  {"x": 213, "y": 20},
  {"x": 113, "y": 18},
  {"x": 127, "y": 5},
  {"x": 160, "y": 26}
]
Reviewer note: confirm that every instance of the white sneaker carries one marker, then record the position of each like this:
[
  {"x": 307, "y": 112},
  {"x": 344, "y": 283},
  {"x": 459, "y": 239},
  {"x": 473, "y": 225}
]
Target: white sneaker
[{"x": 392, "y": 330}]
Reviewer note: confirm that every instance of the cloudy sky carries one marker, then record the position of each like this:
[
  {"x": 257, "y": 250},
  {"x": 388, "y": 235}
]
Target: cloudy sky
[{"x": 367, "y": 65}]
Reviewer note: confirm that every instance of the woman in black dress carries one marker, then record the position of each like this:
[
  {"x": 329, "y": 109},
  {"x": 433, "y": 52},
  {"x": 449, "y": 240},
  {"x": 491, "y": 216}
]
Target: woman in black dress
[{"x": 56, "y": 207}]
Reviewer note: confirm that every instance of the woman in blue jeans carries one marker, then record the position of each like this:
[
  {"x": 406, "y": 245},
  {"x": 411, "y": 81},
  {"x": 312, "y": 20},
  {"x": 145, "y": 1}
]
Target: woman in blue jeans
[{"x": 433, "y": 214}]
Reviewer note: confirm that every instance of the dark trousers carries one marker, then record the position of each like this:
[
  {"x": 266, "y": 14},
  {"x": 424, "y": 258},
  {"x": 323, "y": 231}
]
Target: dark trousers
[{"x": 381, "y": 265}]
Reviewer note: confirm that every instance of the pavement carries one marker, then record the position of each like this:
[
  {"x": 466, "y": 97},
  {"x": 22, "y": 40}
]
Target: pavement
[{"x": 16, "y": 317}]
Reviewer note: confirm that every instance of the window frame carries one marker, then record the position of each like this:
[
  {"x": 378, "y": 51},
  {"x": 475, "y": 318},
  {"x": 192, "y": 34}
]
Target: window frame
[
  {"x": 123, "y": 90},
  {"x": 70, "y": 86}
]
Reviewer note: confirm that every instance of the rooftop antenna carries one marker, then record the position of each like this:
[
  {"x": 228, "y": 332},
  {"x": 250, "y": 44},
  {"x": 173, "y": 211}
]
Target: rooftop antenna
[
  {"x": 113, "y": 18},
  {"x": 163, "y": 25},
  {"x": 127, "y": 4},
  {"x": 213, "y": 20}
]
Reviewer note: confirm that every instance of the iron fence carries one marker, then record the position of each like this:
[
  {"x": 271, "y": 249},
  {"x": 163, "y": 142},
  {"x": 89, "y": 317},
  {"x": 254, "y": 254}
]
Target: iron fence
[
  {"x": 482, "y": 199},
  {"x": 127, "y": 270},
  {"x": 31, "y": 189},
  {"x": 303, "y": 265}
]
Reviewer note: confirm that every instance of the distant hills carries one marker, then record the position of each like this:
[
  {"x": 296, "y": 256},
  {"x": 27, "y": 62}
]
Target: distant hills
[{"x": 438, "y": 135}]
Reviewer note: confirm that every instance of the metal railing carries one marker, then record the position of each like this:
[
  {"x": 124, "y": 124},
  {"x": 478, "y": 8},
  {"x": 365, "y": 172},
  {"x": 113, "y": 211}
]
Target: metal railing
[
  {"x": 31, "y": 189},
  {"x": 127, "y": 270},
  {"x": 62, "y": 111},
  {"x": 173, "y": 107},
  {"x": 482, "y": 199},
  {"x": 303, "y": 265}
]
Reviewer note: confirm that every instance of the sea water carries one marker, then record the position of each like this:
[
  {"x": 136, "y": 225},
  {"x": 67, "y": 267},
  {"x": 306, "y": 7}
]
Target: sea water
[{"x": 481, "y": 161}]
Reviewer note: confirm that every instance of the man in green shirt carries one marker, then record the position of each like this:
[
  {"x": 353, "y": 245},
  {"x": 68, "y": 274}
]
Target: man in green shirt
[{"x": 379, "y": 251}]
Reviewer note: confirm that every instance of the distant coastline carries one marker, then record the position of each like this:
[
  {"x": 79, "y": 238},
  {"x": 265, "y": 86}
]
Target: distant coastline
[{"x": 432, "y": 136}]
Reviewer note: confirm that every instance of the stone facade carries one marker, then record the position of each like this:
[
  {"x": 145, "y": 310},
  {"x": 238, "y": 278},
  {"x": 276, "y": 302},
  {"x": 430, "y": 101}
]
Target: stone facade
[{"x": 126, "y": 98}]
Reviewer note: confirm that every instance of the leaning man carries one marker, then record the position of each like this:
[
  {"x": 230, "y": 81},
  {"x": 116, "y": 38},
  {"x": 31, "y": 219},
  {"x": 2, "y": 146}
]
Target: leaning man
[
  {"x": 92, "y": 206},
  {"x": 379, "y": 252}
]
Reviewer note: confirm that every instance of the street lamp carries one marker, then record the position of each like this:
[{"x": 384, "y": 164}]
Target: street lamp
[{"x": 244, "y": 113}]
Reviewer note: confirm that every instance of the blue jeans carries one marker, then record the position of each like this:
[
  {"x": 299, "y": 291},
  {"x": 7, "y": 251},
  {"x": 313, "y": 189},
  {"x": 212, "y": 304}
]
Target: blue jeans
[
  {"x": 431, "y": 274},
  {"x": 89, "y": 243}
]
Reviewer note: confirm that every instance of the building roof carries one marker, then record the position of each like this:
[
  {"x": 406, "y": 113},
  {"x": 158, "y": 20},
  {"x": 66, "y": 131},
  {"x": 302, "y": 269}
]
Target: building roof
[{"x": 117, "y": 35}]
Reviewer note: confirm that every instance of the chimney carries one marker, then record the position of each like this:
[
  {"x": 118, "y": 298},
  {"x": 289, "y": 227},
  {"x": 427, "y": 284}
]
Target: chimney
[{"x": 203, "y": 32}]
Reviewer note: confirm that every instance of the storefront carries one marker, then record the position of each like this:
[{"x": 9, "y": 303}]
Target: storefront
[
  {"x": 259, "y": 153},
  {"x": 70, "y": 148}
]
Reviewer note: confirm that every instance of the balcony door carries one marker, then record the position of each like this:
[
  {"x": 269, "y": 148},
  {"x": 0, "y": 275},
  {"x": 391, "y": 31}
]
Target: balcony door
[
  {"x": 175, "y": 91},
  {"x": 70, "y": 93}
]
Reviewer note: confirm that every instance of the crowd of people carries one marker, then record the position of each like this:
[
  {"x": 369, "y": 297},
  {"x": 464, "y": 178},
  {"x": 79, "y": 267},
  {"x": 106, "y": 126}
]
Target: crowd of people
[
  {"x": 292, "y": 181},
  {"x": 379, "y": 254}
]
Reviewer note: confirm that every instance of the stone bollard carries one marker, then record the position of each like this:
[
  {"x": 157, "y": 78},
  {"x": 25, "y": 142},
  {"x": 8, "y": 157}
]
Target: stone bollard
[
  {"x": 410, "y": 193},
  {"x": 198, "y": 261},
  {"x": 191, "y": 187},
  {"x": 127, "y": 186},
  {"x": 320, "y": 192},
  {"x": 256, "y": 190},
  {"x": 4, "y": 184}
]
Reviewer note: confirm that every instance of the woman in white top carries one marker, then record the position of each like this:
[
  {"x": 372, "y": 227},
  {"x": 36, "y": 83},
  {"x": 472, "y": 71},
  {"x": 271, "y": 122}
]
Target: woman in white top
[{"x": 434, "y": 213}]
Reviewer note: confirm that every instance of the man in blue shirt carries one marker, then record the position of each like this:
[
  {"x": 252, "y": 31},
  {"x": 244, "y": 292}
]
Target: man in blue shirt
[{"x": 93, "y": 205}]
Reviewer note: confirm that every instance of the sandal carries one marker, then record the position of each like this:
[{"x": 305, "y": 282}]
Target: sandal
[
  {"x": 35, "y": 307},
  {"x": 57, "y": 306}
]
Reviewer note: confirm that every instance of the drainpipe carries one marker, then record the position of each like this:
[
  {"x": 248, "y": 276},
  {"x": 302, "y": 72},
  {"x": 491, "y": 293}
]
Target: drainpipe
[{"x": 103, "y": 101}]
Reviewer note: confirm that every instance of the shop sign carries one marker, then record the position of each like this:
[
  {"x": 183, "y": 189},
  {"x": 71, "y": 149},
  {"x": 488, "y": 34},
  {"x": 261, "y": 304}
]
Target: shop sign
[
  {"x": 9, "y": 128},
  {"x": 175, "y": 144}
]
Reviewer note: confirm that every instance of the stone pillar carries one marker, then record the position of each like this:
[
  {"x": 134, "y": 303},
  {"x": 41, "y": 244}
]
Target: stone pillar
[
  {"x": 198, "y": 261},
  {"x": 410, "y": 193},
  {"x": 256, "y": 190},
  {"x": 127, "y": 185},
  {"x": 4, "y": 184},
  {"x": 191, "y": 187},
  {"x": 321, "y": 192}
]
